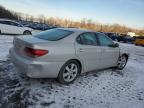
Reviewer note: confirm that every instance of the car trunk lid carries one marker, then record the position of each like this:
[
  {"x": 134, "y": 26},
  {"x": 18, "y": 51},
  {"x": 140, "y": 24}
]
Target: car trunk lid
[{"x": 20, "y": 43}]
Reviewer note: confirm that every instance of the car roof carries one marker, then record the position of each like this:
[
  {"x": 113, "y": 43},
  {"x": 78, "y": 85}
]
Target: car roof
[{"x": 78, "y": 30}]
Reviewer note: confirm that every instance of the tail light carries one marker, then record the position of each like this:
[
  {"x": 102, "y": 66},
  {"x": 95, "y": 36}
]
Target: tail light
[{"x": 35, "y": 52}]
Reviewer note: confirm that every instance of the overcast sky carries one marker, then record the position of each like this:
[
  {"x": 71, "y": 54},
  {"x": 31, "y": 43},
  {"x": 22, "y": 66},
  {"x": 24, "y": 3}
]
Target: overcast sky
[{"x": 127, "y": 12}]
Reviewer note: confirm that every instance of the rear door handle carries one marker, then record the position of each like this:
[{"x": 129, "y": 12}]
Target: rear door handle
[{"x": 81, "y": 50}]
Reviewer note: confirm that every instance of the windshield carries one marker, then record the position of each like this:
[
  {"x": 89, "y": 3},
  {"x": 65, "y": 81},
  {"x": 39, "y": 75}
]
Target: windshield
[{"x": 53, "y": 34}]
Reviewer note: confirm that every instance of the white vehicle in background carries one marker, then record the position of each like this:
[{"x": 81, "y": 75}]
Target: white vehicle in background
[{"x": 13, "y": 27}]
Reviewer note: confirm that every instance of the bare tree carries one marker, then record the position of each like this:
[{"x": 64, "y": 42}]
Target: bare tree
[{"x": 84, "y": 23}]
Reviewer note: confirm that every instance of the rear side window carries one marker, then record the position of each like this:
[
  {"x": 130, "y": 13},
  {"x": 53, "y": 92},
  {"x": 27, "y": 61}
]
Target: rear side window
[
  {"x": 53, "y": 34},
  {"x": 87, "y": 39},
  {"x": 15, "y": 24},
  {"x": 104, "y": 40}
]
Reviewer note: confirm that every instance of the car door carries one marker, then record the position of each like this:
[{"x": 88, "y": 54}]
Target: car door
[
  {"x": 16, "y": 28},
  {"x": 110, "y": 54},
  {"x": 10, "y": 29},
  {"x": 4, "y": 26},
  {"x": 88, "y": 51}
]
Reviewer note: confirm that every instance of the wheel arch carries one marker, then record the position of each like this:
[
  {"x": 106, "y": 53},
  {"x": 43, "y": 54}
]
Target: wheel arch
[
  {"x": 27, "y": 31},
  {"x": 60, "y": 77},
  {"x": 78, "y": 61},
  {"x": 125, "y": 54}
]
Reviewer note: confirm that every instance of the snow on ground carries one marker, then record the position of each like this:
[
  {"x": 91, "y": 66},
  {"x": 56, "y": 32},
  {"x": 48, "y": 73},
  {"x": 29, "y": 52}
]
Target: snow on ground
[
  {"x": 100, "y": 89},
  {"x": 5, "y": 44}
]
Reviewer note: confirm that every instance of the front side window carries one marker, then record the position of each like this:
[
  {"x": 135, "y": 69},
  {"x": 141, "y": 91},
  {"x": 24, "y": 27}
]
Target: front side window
[
  {"x": 14, "y": 24},
  {"x": 9, "y": 23},
  {"x": 104, "y": 40},
  {"x": 53, "y": 34},
  {"x": 5, "y": 22},
  {"x": 87, "y": 39}
]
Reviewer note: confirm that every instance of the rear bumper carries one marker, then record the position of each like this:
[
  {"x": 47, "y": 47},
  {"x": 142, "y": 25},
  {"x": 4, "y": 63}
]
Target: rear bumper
[{"x": 35, "y": 69}]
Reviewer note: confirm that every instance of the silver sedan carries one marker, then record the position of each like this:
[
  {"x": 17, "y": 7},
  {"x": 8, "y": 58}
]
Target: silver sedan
[{"x": 65, "y": 53}]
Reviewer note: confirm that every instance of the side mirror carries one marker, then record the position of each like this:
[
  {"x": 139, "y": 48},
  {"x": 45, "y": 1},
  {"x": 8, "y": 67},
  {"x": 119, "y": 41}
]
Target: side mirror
[{"x": 114, "y": 45}]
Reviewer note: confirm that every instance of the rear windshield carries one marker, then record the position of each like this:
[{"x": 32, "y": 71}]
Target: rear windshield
[{"x": 53, "y": 34}]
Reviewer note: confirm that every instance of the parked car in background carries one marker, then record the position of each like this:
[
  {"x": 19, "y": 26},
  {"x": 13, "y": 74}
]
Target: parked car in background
[
  {"x": 139, "y": 40},
  {"x": 13, "y": 27},
  {"x": 129, "y": 39},
  {"x": 125, "y": 38},
  {"x": 38, "y": 26},
  {"x": 64, "y": 53},
  {"x": 113, "y": 36}
]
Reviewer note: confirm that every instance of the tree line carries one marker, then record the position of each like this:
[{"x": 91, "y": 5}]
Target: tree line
[{"x": 84, "y": 23}]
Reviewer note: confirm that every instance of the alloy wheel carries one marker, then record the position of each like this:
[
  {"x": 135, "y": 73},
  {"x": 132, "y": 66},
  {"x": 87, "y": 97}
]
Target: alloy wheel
[
  {"x": 122, "y": 62},
  {"x": 70, "y": 72}
]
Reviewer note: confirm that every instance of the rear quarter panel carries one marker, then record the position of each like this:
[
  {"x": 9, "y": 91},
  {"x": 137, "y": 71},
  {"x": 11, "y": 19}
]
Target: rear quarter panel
[
  {"x": 58, "y": 52},
  {"x": 61, "y": 50}
]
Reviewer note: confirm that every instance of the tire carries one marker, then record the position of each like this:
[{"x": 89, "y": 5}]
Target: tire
[
  {"x": 0, "y": 32},
  {"x": 27, "y": 32},
  {"x": 122, "y": 62},
  {"x": 68, "y": 74}
]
